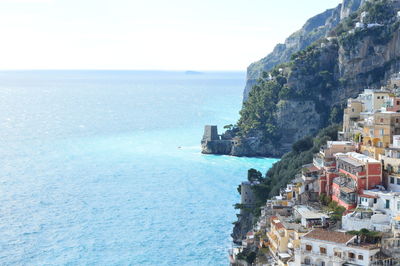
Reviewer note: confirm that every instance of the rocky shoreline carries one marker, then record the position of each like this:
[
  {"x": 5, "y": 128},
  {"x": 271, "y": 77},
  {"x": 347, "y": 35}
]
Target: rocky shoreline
[{"x": 226, "y": 144}]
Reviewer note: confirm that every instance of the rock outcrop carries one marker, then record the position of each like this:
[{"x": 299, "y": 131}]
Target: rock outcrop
[
  {"x": 314, "y": 85},
  {"x": 314, "y": 29},
  {"x": 243, "y": 225}
]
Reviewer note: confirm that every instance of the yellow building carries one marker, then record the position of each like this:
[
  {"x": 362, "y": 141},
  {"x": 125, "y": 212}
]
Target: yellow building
[
  {"x": 283, "y": 238},
  {"x": 378, "y": 133},
  {"x": 350, "y": 118},
  {"x": 277, "y": 237}
]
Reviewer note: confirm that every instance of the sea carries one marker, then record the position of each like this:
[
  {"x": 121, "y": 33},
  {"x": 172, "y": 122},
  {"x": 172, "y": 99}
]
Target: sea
[{"x": 105, "y": 168}]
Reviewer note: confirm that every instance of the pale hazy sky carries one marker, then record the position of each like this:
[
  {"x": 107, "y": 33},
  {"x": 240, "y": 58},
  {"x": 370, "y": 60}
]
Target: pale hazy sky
[{"x": 146, "y": 34}]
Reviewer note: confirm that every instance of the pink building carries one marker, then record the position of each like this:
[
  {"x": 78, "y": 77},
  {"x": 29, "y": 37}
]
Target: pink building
[{"x": 357, "y": 172}]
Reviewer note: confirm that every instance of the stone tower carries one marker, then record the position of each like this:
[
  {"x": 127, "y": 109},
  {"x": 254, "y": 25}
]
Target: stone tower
[{"x": 210, "y": 133}]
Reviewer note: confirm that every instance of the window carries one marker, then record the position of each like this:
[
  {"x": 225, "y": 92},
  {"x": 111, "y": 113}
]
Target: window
[
  {"x": 387, "y": 205},
  {"x": 378, "y": 97},
  {"x": 338, "y": 254},
  {"x": 322, "y": 250},
  {"x": 397, "y": 103},
  {"x": 381, "y": 120},
  {"x": 398, "y": 205},
  {"x": 308, "y": 247},
  {"x": 391, "y": 180},
  {"x": 375, "y": 200},
  {"x": 307, "y": 261},
  {"x": 381, "y": 132},
  {"x": 360, "y": 257},
  {"x": 398, "y": 181},
  {"x": 351, "y": 255},
  {"x": 397, "y": 120}
]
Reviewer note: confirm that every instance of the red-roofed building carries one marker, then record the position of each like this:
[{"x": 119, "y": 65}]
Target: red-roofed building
[
  {"x": 357, "y": 172},
  {"x": 323, "y": 247}
]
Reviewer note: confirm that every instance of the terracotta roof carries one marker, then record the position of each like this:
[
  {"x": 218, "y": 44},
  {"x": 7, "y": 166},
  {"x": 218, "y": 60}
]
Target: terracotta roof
[
  {"x": 276, "y": 222},
  {"x": 279, "y": 226},
  {"x": 368, "y": 196},
  {"x": 329, "y": 236},
  {"x": 347, "y": 190},
  {"x": 311, "y": 168}
]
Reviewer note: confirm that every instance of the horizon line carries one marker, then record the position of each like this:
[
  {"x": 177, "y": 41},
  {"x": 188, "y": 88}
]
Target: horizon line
[{"x": 127, "y": 69}]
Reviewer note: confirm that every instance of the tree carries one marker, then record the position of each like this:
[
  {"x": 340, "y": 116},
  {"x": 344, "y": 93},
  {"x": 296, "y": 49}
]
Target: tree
[
  {"x": 247, "y": 255},
  {"x": 366, "y": 236},
  {"x": 239, "y": 189},
  {"x": 303, "y": 145},
  {"x": 335, "y": 211},
  {"x": 228, "y": 127},
  {"x": 356, "y": 137},
  {"x": 324, "y": 199},
  {"x": 254, "y": 175},
  {"x": 335, "y": 115}
]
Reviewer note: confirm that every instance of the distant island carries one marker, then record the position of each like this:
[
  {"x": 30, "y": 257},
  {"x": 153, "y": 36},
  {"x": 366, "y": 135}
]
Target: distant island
[{"x": 191, "y": 72}]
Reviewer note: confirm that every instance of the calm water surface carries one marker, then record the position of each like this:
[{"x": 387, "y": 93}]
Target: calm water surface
[{"x": 91, "y": 172}]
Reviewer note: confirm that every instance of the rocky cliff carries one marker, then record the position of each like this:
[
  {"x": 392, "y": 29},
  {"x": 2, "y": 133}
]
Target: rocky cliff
[
  {"x": 314, "y": 29},
  {"x": 297, "y": 98}
]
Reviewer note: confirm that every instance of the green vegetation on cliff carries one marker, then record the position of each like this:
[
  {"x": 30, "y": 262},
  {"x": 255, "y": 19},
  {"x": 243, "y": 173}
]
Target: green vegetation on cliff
[
  {"x": 316, "y": 77},
  {"x": 257, "y": 112},
  {"x": 312, "y": 76},
  {"x": 286, "y": 169},
  {"x": 309, "y": 76}
]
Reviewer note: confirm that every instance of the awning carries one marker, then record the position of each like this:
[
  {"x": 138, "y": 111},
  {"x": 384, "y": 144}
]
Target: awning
[{"x": 284, "y": 255}]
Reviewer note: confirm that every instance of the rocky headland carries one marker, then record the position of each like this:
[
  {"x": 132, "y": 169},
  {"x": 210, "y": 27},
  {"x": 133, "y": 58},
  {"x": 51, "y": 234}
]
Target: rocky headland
[{"x": 302, "y": 85}]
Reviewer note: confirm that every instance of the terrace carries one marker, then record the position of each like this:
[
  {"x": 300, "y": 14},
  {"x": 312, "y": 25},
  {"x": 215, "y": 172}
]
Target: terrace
[{"x": 350, "y": 165}]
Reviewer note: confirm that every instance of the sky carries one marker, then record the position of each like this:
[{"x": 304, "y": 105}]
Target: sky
[{"x": 147, "y": 34}]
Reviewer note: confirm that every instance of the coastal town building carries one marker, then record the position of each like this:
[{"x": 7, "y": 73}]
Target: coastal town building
[
  {"x": 391, "y": 163},
  {"x": 309, "y": 187},
  {"x": 360, "y": 172},
  {"x": 326, "y": 161},
  {"x": 357, "y": 172},
  {"x": 309, "y": 217},
  {"x": 366, "y": 218},
  {"x": 351, "y": 117},
  {"x": 284, "y": 237},
  {"x": 379, "y": 130},
  {"x": 387, "y": 202},
  {"x": 323, "y": 247}
]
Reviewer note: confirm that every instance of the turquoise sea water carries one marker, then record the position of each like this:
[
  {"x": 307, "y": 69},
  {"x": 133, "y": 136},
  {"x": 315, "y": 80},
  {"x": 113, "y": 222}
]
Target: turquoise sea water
[{"x": 91, "y": 172}]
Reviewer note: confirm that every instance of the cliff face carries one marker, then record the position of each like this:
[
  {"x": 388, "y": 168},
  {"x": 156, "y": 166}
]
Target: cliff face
[
  {"x": 308, "y": 92},
  {"x": 367, "y": 63},
  {"x": 314, "y": 29}
]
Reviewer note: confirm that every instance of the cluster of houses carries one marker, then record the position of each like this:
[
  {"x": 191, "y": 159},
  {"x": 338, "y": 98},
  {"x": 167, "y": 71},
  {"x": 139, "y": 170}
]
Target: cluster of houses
[
  {"x": 363, "y": 21},
  {"x": 361, "y": 173}
]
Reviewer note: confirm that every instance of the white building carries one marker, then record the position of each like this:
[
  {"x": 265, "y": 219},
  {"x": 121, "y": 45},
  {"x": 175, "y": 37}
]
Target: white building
[
  {"x": 363, "y": 15},
  {"x": 372, "y": 25},
  {"x": 391, "y": 160},
  {"x": 323, "y": 248},
  {"x": 366, "y": 219},
  {"x": 359, "y": 25},
  {"x": 373, "y": 100},
  {"x": 387, "y": 202},
  {"x": 309, "y": 216}
]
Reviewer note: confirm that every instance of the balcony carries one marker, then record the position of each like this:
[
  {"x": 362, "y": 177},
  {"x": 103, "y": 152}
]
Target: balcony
[{"x": 348, "y": 197}]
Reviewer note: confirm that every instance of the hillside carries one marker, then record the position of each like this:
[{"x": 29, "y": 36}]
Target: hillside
[
  {"x": 315, "y": 28},
  {"x": 297, "y": 98}
]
